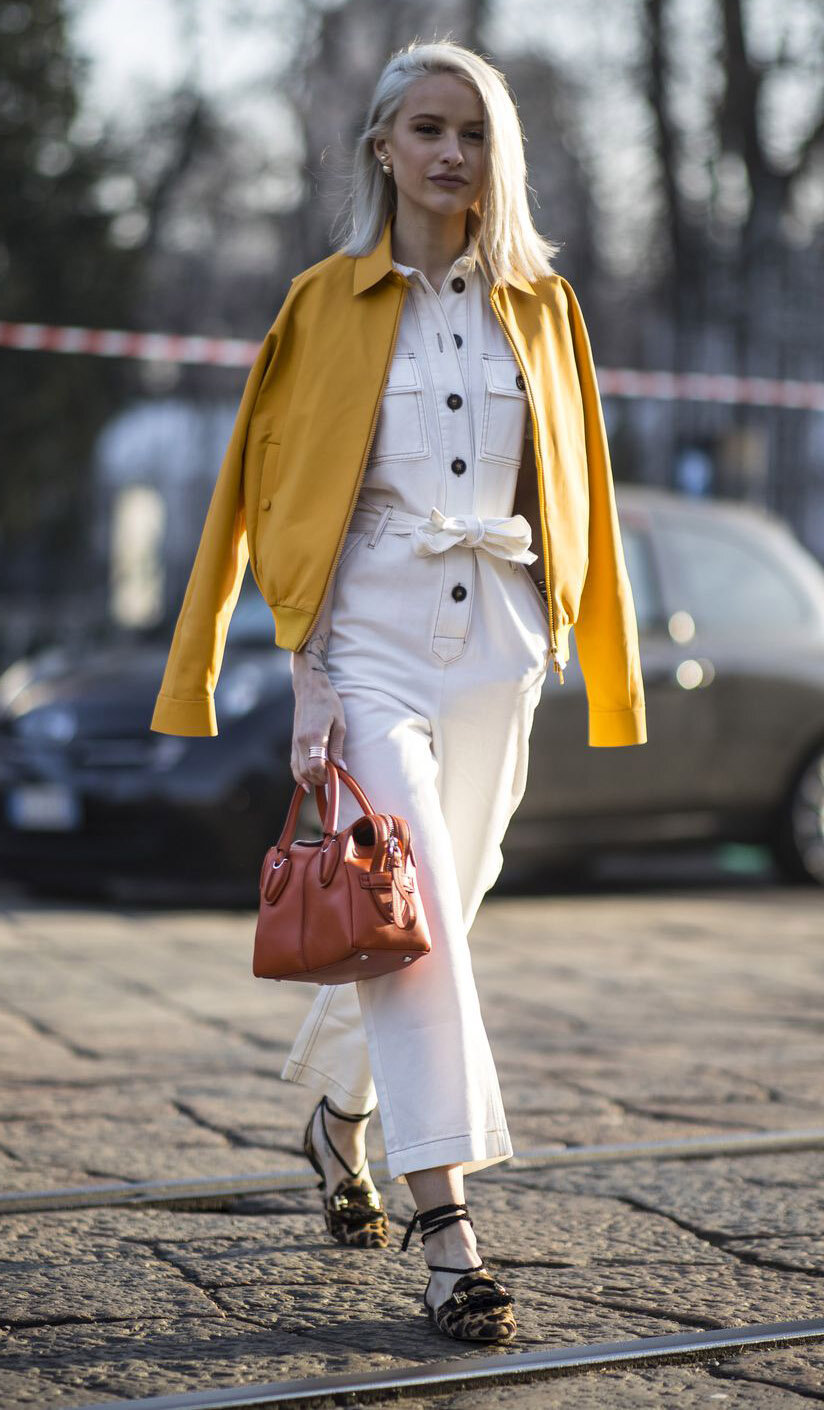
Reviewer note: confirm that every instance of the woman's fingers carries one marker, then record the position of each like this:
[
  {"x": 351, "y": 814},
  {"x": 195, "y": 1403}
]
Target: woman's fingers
[
  {"x": 305, "y": 770},
  {"x": 313, "y": 768},
  {"x": 297, "y": 773},
  {"x": 319, "y": 721},
  {"x": 336, "y": 735}
]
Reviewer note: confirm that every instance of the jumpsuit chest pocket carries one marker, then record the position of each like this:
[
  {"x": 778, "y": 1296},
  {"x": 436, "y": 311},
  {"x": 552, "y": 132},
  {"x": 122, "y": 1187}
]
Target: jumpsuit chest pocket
[
  {"x": 401, "y": 432},
  {"x": 505, "y": 410}
]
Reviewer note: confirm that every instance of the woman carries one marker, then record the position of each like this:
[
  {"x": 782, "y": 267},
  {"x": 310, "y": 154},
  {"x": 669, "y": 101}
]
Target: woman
[{"x": 423, "y": 407}]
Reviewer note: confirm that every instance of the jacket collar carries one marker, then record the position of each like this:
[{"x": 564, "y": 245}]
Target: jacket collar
[{"x": 372, "y": 267}]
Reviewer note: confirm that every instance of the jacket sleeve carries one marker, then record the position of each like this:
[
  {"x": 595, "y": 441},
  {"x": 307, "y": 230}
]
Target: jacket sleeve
[
  {"x": 185, "y": 704},
  {"x": 606, "y": 630}
]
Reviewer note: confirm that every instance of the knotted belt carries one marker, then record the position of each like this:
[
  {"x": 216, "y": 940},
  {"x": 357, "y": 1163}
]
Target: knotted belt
[{"x": 502, "y": 537}]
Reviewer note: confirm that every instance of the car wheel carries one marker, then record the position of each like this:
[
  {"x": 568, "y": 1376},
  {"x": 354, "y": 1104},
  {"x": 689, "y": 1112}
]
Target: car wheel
[{"x": 799, "y": 845}]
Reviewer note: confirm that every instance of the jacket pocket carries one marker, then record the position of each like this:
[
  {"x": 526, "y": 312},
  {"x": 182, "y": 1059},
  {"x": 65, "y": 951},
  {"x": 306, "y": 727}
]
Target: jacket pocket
[
  {"x": 269, "y": 472},
  {"x": 401, "y": 432},
  {"x": 505, "y": 410}
]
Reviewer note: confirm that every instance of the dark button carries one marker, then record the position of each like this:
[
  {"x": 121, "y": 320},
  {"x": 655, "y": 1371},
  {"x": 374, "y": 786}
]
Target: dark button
[
  {"x": 453, "y": 401},
  {"x": 458, "y": 339},
  {"x": 458, "y": 285},
  {"x": 459, "y": 592},
  {"x": 519, "y": 382},
  {"x": 458, "y": 466}
]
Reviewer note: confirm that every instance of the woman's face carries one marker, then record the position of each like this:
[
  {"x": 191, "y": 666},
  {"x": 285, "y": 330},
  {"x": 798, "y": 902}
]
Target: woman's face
[{"x": 438, "y": 132}]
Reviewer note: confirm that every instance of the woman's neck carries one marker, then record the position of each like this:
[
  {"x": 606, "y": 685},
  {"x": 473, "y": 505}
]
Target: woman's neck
[{"x": 427, "y": 241}]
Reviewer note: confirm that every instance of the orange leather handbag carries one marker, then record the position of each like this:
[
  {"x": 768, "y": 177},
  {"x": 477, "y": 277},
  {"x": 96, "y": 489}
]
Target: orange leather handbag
[{"x": 343, "y": 907}]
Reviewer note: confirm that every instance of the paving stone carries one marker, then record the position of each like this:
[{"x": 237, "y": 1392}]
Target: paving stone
[
  {"x": 658, "y": 1387},
  {"x": 137, "y": 1045},
  {"x": 791, "y": 1369},
  {"x": 147, "y": 1356},
  {"x": 802, "y": 1252},
  {"x": 716, "y": 1197},
  {"x": 523, "y": 1223}
]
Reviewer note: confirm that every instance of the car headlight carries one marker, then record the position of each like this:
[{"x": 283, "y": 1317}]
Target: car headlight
[
  {"x": 55, "y": 723},
  {"x": 14, "y": 679},
  {"x": 168, "y": 751},
  {"x": 240, "y": 689}
]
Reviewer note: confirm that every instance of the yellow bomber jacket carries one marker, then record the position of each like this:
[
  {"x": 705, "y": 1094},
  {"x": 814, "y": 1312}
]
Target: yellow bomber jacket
[{"x": 291, "y": 474}]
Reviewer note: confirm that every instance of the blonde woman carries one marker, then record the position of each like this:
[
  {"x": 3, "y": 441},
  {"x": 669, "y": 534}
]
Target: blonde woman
[{"x": 421, "y": 413}]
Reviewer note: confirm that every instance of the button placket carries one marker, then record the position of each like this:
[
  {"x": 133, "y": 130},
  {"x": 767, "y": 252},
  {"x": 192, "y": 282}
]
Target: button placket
[
  {"x": 458, "y": 449},
  {"x": 455, "y": 608},
  {"x": 443, "y": 328},
  {"x": 452, "y": 621}
]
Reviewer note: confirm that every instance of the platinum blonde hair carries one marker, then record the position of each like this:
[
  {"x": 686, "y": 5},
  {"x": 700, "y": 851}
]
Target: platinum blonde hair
[{"x": 503, "y": 237}]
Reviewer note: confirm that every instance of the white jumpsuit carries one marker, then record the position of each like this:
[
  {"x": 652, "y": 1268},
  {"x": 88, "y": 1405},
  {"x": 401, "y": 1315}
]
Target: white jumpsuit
[{"x": 438, "y": 649}]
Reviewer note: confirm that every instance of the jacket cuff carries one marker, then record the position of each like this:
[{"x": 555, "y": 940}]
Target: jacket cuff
[
  {"x": 612, "y": 727},
  {"x": 188, "y": 717}
]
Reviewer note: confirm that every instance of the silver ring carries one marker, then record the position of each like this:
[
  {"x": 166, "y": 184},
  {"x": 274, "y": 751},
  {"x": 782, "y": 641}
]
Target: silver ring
[{"x": 318, "y": 751}]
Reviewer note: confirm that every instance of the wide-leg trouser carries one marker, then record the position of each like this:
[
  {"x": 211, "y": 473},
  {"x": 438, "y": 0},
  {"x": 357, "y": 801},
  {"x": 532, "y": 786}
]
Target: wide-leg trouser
[{"x": 447, "y": 748}]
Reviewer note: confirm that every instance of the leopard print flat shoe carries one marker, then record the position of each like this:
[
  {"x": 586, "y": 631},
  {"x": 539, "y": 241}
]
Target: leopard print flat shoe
[
  {"x": 479, "y": 1308},
  {"x": 354, "y": 1212}
]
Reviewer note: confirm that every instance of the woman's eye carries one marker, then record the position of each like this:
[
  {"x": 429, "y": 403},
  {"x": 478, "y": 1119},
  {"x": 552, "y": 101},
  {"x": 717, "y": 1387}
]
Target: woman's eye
[{"x": 430, "y": 127}]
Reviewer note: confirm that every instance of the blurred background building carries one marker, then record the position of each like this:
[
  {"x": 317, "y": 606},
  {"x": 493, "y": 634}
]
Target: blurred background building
[{"x": 169, "y": 165}]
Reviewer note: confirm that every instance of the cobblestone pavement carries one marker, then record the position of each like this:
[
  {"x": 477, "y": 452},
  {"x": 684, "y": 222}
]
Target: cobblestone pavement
[{"x": 137, "y": 1045}]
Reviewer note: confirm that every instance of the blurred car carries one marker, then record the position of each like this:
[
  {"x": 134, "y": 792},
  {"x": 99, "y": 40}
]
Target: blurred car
[
  {"x": 89, "y": 794},
  {"x": 730, "y": 610}
]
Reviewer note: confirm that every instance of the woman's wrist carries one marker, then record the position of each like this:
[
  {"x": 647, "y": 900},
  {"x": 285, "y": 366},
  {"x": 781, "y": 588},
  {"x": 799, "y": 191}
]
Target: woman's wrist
[{"x": 314, "y": 654}]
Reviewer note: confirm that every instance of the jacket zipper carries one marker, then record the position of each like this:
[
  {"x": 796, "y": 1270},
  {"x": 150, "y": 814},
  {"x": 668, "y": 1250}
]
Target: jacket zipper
[
  {"x": 364, "y": 461},
  {"x": 553, "y": 643}
]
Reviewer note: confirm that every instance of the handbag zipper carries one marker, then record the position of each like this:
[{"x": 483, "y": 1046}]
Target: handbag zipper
[
  {"x": 365, "y": 459},
  {"x": 553, "y": 643}
]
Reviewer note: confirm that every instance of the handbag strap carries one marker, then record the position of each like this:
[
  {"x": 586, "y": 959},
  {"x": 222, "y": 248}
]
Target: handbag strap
[
  {"x": 287, "y": 835},
  {"x": 391, "y": 851},
  {"x": 327, "y": 798},
  {"x": 354, "y": 788}
]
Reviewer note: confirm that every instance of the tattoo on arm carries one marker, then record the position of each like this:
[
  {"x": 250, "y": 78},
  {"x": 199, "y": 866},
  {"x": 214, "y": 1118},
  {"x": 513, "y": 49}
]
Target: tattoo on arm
[{"x": 317, "y": 647}]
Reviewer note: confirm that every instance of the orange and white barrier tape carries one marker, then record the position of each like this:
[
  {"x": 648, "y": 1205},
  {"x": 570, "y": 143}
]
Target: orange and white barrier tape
[
  {"x": 711, "y": 386},
  {"x": 236, "y": 352},
  {"x": 113, "y": 342}
]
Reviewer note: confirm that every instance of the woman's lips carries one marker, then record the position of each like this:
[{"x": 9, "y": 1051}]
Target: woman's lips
[{"x": 448, "y": 180}]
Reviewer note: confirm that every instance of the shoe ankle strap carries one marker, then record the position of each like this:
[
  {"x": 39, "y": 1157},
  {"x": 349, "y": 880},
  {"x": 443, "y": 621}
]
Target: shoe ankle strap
[
  {"x": 324, "y": 1107},
  {"x": 342, "y": 1115},
  {"x": 440, "y": 1216}
]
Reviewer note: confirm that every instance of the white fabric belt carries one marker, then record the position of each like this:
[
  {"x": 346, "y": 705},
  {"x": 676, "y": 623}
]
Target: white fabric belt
[{"x": 504, "y": 537}]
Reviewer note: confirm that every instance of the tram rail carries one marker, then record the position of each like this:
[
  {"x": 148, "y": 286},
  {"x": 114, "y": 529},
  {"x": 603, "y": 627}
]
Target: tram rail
[
  {"x": 461, "y": 1373},
  {"x": 205, "y": 1190},
  {"x": 486, "y": 1371}
]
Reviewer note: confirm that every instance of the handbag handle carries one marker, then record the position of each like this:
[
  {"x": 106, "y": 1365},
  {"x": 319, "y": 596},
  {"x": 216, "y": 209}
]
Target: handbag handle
[
  {"x": 334, "y": 773},
  {"x": 327, "y": 805}
]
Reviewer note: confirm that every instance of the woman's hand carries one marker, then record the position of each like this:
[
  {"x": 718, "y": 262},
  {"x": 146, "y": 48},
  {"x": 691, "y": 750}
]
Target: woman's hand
[
  {"x": 318, "y": 709},
  {"x": 318, "y": 720}
]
